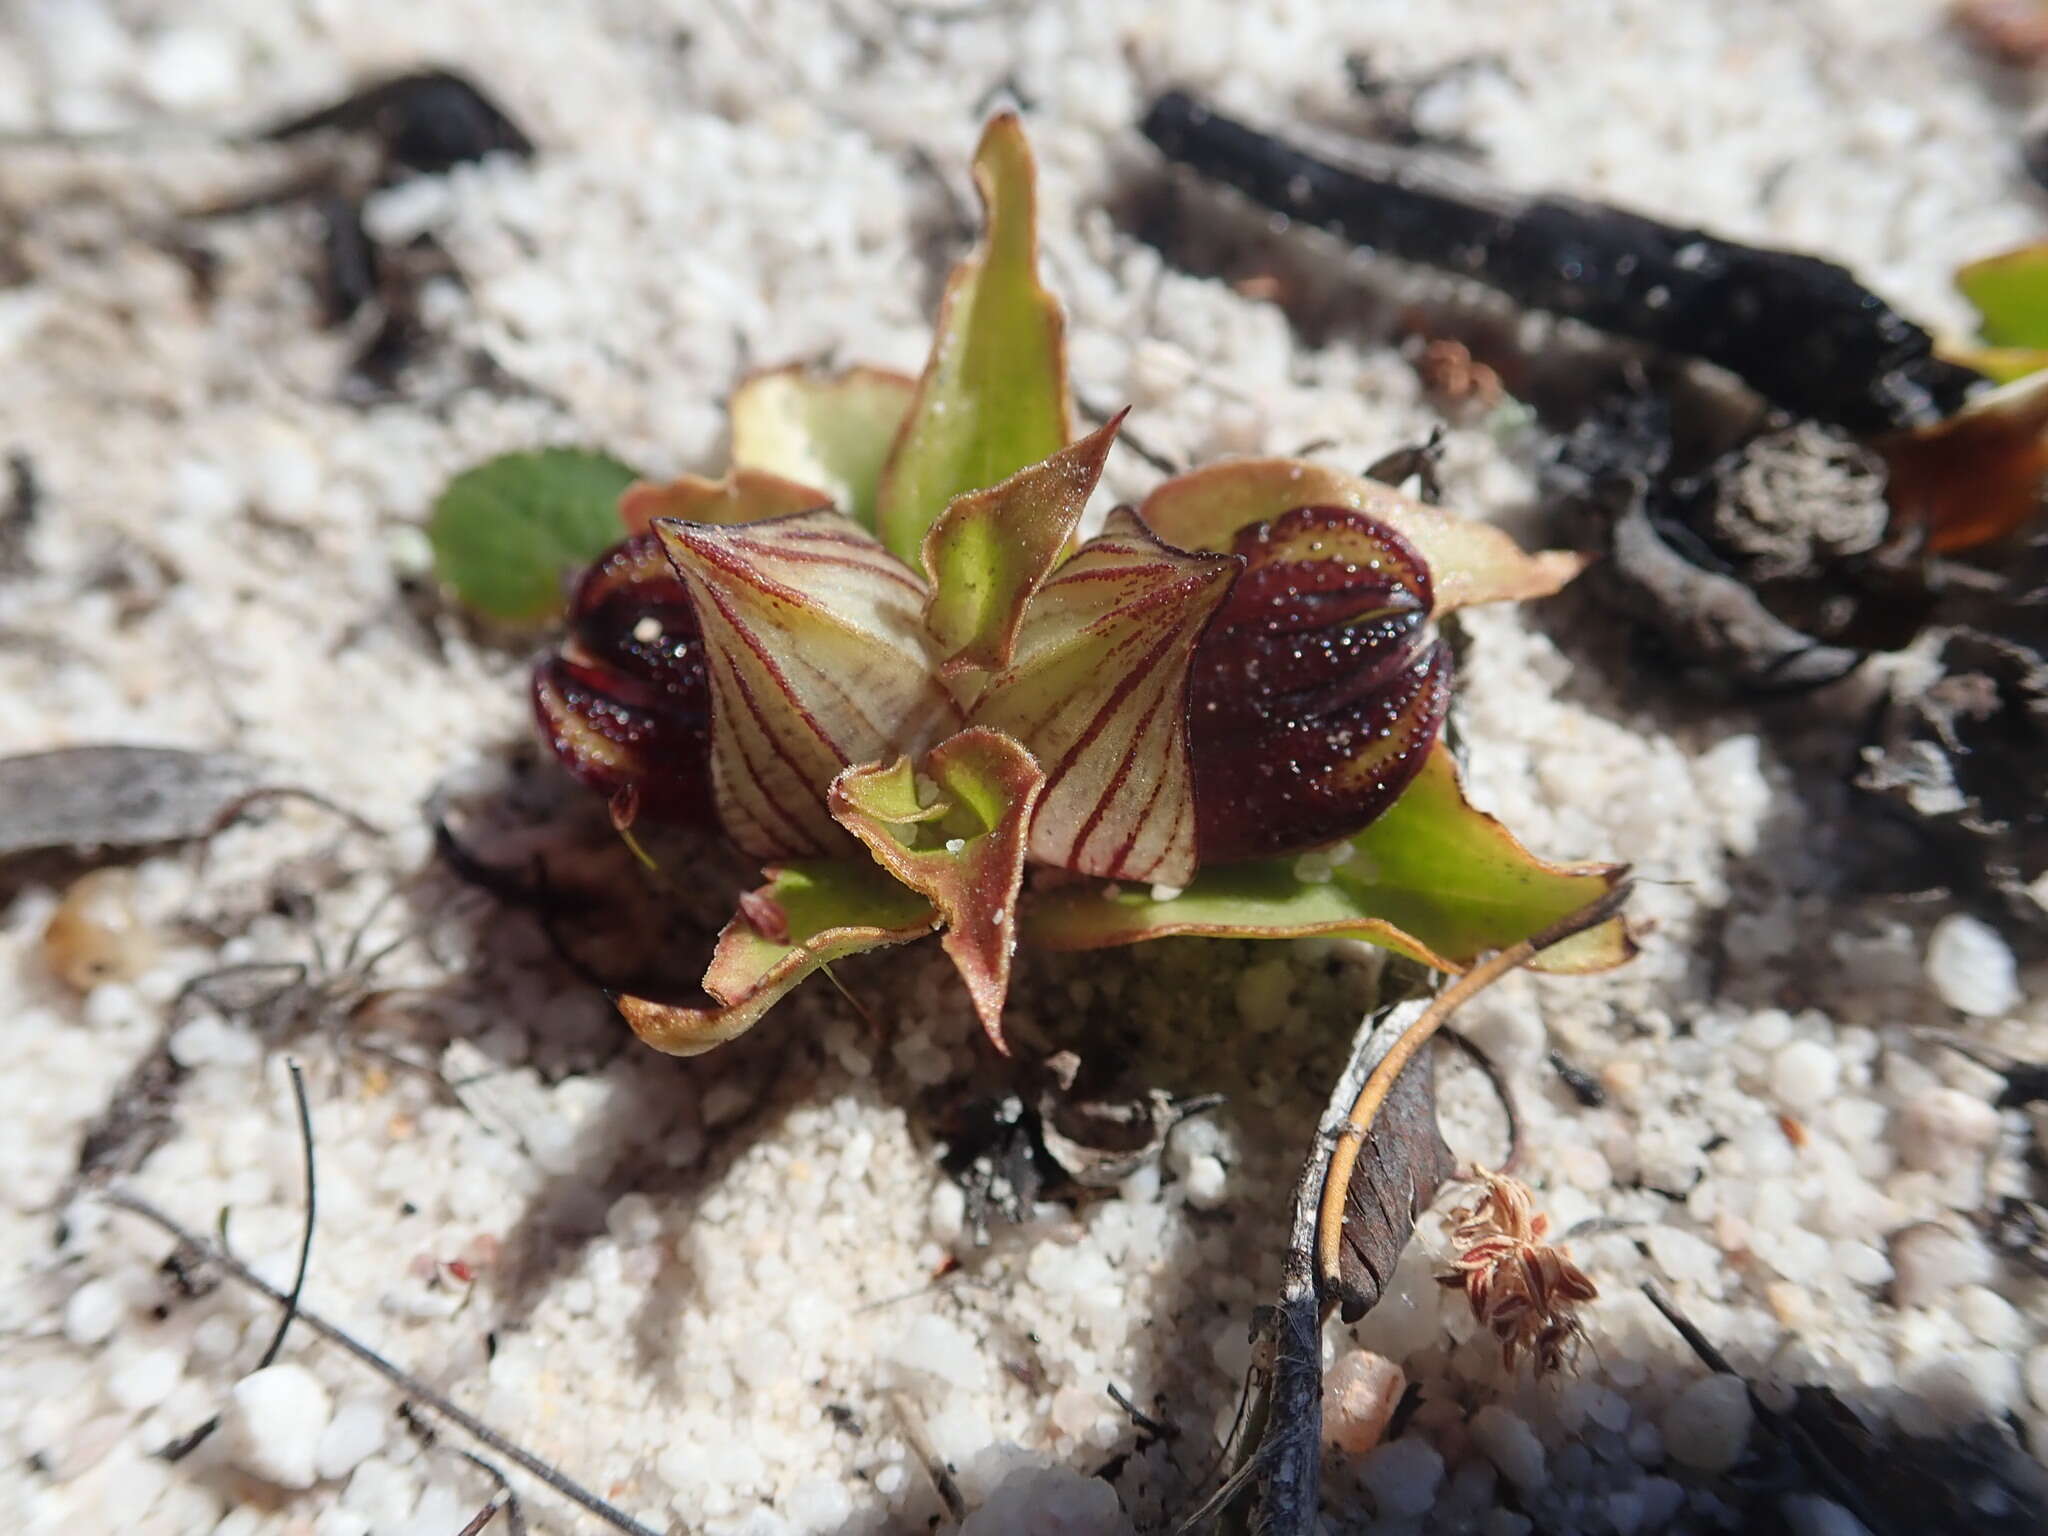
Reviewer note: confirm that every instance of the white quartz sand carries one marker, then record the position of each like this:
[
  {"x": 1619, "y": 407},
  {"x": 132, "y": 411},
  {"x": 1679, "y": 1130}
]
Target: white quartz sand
[{"x": 706, "y": 1289}]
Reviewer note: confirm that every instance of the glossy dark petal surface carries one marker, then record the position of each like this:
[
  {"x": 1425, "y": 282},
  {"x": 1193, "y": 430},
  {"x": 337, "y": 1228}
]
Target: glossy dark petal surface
[
  {"x": 626, "y": 703},
  {"x": 1317, "y": 691}
]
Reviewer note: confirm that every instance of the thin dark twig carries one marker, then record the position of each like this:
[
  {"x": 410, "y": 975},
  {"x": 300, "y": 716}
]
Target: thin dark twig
[
  {"x": 934, "y": 1465},
  {"x": 506, "y": 1497},
  {"x": 1698, "y": 1342},
  {"x": 291, "y": 1304},
  {"x": 234, "y": 810},
  {"x": 1139, "y": 1417},
  {"x": 1787, "y": 1427},
  {"x": 1506, "y": 1094},
  {"x": 178, "y": 1449},
  {"x": 481, "y": 1518},
  {"x": 400, "y": 1378}
]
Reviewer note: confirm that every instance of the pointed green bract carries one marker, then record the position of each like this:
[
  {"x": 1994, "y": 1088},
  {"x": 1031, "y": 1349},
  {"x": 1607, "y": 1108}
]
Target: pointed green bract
[
  {"x": 815, "y": 913},
  {"x": 814, "y": 639},
  {"x": 824, "y": 429},
  {"x": 1098, "y": 694},
  {"x": 993, "y": 397},
  {"x": 964, "y": 852},
  {"x": 1434, "y": 879},
  {"x": 2009, "y": 291},
  {"x": 991, "y": 550},
  {"x": 507, "y": 532}
]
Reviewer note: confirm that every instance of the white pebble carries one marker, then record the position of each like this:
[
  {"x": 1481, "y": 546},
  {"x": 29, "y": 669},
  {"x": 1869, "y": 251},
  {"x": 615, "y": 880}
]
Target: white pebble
[
  {"x": 1205, "y": 1182},
  {"x": 1661, "y": 1500},
  {"x": 2037, "y": 1376},
  {"x": 1930, "y": 1264},
  {"x": 93, "y": 1312},
  {"x": 146, "y": 1380},
  {"x": 932, "y": 1346},
  {"x": 273, "y": 1424},
  {"x": 1805, "y": 1074},
  {"x": 352, "y": 1437},
  {"x": 1808, "y": 1514},
  {"x": 1511, "y": 1445},
  {"x": 1990, "y": 1318},
  {"x": 1402, "y": 1476},
  {"x": 1942, "y": 1128},
  {"x": 819, "y": 1504},
  {"x": 1048, "y": 1501},
  {"x": 948, "y": 1211},
  {"x": 1965, "y": 1385},
  {"x": 187, "y": 69},
  {"x": 1971, "y": 967},
  {"x": 1707, "y": 1425}
]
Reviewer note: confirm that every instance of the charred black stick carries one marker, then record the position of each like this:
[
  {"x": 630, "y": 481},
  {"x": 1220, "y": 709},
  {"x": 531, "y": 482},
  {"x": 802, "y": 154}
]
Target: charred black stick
[{"x": 1800, "y": 331}]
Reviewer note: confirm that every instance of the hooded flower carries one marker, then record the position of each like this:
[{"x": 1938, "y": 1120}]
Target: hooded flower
[{"x": 876, "y": 658}]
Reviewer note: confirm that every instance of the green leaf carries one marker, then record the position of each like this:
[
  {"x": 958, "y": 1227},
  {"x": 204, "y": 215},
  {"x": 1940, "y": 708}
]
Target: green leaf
[
  {"x": 506, "y": 532},
  {"x": 1434, "y": 879},
  {"x": 2010, "y": 294},
  {"x": 965, "y": 851},
  {"x": 1469, "y": 561},
  {"x": 814, "y": 638},
  {"x": 993, "y": 397},
  {"x": 828, "y": 430},
  {"x": 1098, "y": 693},
  {"x": 991, "y": 550},
  {"x": 807, "y": 915},
  {"x": 2002, "y": 364}
]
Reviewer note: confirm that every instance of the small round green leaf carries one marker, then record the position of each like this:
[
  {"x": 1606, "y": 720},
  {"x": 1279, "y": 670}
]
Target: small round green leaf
[{"x": 505, "y": 532}]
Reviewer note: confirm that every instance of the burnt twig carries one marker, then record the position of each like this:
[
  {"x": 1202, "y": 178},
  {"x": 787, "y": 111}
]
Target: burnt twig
[
  {"x": 1801, "y": 332},
  {"x": 1278, "y": 1457}
]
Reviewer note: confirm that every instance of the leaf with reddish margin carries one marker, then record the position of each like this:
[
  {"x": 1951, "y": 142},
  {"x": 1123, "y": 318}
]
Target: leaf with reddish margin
[
  {"x": 815, "y": 638},
  {"x": 744, "y": 496},
  {"x": 818, "y": 912},
  {"x": 993, "y": 397},
  {"x": 1471, "y": 562},
  {"x": 990, "y": 552},
  {"x": 1434, "y": 879},
  {"x": 1976, "y": 476},
  {"x": 1098, "y": 693},
  {"x": 965, "y": 851},
  {"x": 831, "y": 430}
]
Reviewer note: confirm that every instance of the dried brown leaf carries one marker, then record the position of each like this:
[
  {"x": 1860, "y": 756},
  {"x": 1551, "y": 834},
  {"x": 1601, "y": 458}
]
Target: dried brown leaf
[
  {"x": 1400, "y": 1168},
  {"x": 117, "y": 796}
]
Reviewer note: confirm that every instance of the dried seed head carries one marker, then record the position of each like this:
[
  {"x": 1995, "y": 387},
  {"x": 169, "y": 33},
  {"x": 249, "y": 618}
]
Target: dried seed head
[{"x": 1525, "y": 1291}]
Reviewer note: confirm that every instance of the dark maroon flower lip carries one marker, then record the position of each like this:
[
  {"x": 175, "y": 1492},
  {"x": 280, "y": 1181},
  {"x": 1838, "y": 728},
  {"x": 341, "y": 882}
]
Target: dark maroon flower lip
[
  {"x": 1318, "y": 689},
  {"x": 625, "y": 704}
]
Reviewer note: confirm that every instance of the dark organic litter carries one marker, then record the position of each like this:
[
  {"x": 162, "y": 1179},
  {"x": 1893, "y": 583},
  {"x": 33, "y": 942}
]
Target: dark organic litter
[
  {"x": 1801, "y": 332},
  {"x": 117, "y": 796},
  {"x": 428, "y": 121}
]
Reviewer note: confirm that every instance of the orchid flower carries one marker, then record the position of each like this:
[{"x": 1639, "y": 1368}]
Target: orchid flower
[{"x": 875, "y": 658}]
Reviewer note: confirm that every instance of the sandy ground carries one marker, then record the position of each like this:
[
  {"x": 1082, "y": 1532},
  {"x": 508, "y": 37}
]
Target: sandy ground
[{"x": 706, "y": 1289}]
